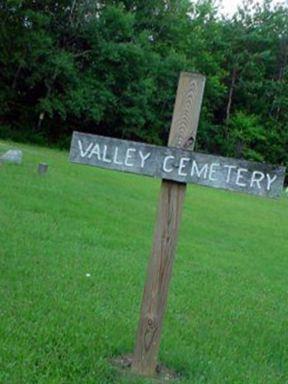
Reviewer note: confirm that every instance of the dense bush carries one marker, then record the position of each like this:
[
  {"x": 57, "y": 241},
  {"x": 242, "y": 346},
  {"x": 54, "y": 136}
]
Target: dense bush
[{"x": 111, "y": 67}]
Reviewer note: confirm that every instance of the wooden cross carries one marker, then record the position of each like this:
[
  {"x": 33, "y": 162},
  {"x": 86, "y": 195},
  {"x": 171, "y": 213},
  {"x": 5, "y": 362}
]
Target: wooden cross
[
  {"x": 182, "y": 135},
  {"x": 176, "y": 165}
]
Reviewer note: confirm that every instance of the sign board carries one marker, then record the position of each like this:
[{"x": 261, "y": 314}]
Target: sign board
[{"x": 178, "y": 165}]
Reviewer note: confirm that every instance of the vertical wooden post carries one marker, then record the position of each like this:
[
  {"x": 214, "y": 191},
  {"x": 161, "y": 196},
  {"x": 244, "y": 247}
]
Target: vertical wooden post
[{"x": 182, "y": 135}]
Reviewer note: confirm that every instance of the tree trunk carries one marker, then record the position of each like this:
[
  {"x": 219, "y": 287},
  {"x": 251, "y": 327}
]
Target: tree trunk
[
  {"x": 282, "y": 68},
  {"x": 72, "y": 11},
  {"x": 17, "y": 73},
  {"x": 230, "y": 97},
  {"x": 48, "y": 94}
]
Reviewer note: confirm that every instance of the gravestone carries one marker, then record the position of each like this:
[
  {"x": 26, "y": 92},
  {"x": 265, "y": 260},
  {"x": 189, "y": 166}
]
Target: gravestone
[
  {"x": 42, "y": 168},
  {"x": 13, "y": 156},
  {"x": 176, "y": 165}
]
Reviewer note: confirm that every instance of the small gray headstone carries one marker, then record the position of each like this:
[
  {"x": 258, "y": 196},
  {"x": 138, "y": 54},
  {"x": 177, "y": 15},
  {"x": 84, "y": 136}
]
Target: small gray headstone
[
  {"x": 42, "y": 168},
  {"x": 12, "y": 156}
]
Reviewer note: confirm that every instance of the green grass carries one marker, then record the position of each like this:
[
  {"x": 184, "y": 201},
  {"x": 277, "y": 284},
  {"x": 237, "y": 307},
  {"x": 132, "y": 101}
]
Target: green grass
[{"x": 227, "y": 317}]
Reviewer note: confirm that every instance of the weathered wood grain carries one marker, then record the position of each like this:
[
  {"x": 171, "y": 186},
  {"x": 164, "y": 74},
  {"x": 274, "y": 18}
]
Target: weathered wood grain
[
  {"x": 187, "y": 109},
  {"x": 176, "y": 164},
  {"x": 182, "y": 134},
  {"x": 158, "y": 277}
]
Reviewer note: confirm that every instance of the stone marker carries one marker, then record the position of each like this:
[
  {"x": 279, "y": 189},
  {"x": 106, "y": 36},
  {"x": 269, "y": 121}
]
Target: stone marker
[
  {"x": 12, "y": 156},
  {"x": 42, "y": 168}
]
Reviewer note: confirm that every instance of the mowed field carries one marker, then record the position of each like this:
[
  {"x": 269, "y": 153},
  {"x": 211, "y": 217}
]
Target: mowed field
[{"x": 227, "y": 315}]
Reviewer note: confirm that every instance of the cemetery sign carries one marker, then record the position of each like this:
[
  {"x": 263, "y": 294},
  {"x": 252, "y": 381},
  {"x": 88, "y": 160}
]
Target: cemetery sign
[{"x": 177, "y": 164}]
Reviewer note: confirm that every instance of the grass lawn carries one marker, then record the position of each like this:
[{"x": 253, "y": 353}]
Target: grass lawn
[{"x": 227, "y": 317}]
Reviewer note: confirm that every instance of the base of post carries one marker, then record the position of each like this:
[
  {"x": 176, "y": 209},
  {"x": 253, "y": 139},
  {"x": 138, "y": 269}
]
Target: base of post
[{"x": 163, "y": 374}]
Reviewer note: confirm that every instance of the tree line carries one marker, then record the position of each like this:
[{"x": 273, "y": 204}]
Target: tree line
[{"x": 111, "y": 68}]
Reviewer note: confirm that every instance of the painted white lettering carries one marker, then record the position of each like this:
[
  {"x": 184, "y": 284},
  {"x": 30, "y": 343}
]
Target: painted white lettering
[
  {"x": 240, "y": 176},
  {"x": 165, "y": 168},
  {"x": 129, "y": 156},
  {"x": 182, "y": 166},
  {"x": 212, "y": 171},
  {"x": 144, "y": 158},
  {"x": 95, "y": 151},
  {"x": 105, "y": 158},
  {"x": 270, "y": 181},
  {"x": 257, "y": 177},
  {"x": 83, "y": 153},
  {"x": 230, "y": 167},
  {"x": 198, "y": 171},
  {"x": 115, "y": 157}
]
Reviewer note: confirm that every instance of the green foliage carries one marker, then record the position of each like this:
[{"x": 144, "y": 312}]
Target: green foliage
[
  {"x": 111, "y": 67},
  {"x": 245, "y": 134}
]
